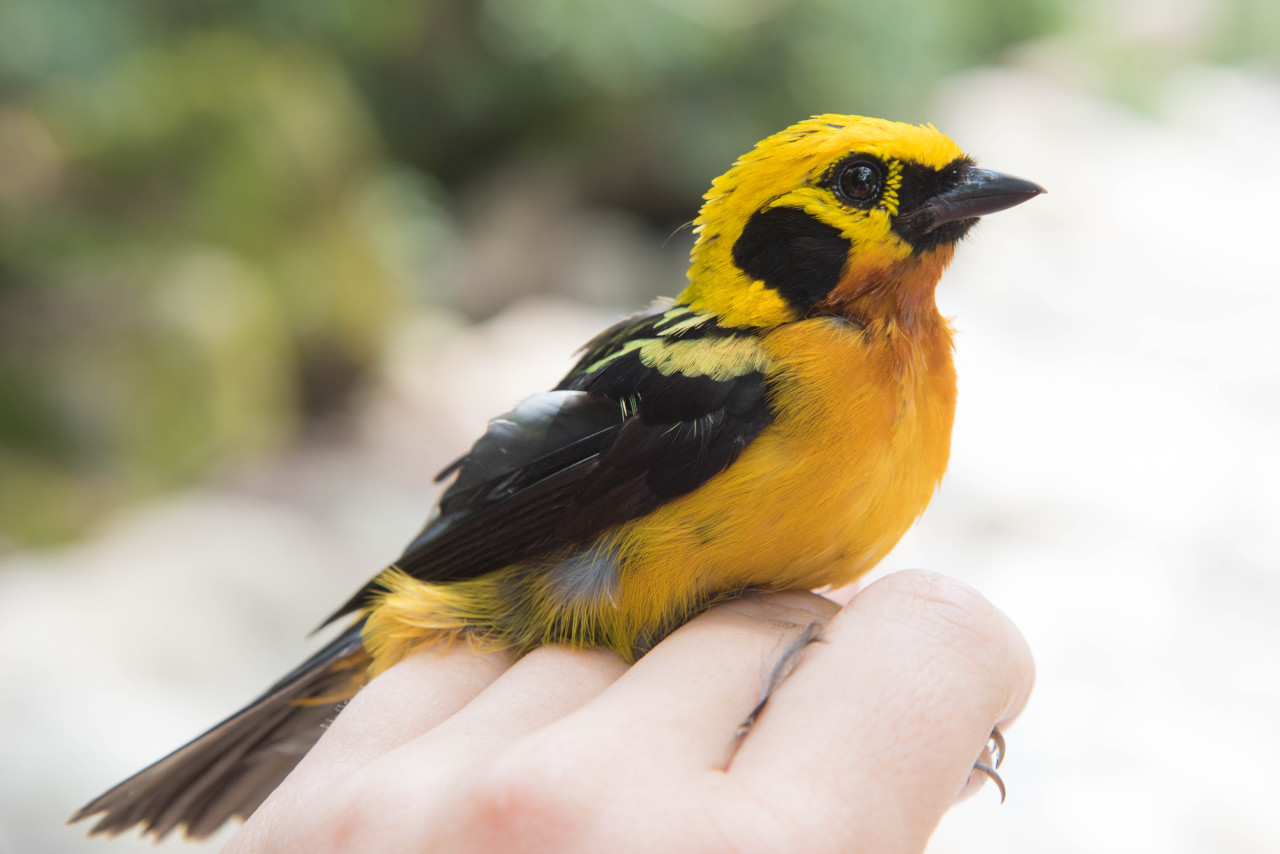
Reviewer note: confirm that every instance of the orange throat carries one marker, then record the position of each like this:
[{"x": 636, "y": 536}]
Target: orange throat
[{"x": 897, "y": 292}]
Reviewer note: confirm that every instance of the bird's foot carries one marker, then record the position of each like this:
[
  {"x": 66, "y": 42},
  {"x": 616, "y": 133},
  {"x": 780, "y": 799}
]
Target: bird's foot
[{"x": 781, "y": 670}]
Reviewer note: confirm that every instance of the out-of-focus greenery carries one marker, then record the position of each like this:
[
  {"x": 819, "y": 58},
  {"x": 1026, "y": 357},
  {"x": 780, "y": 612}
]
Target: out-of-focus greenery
[{"x": 211, "y": 210}]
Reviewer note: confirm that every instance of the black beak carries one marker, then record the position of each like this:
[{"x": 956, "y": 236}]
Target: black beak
[{"x": 980, "y": 192}]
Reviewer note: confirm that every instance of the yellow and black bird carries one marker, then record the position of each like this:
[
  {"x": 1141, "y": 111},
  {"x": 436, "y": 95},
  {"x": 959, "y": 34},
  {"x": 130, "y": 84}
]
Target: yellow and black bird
[{"x": 778, "y": 425}]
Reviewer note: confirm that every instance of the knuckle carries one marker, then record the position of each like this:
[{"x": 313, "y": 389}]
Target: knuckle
[
  {"x": 341, "y": 817},
  {"x": 951, "y": 613},
  {"x": 532, "y": 798},
  {"x": 968, "y": 639},
  {"x": 322, "y": 822}
]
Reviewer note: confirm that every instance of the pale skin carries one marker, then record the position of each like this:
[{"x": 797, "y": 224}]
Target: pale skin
[{"x": 864, "y": 746}]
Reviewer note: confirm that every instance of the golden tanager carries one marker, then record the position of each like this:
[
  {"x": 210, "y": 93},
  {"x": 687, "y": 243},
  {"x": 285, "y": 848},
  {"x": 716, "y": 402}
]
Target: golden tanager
[{"x": 780, "y": 424}]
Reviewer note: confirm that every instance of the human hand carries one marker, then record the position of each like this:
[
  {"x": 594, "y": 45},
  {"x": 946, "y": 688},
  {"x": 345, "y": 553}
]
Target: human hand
[{"x": 864, "y": 746}]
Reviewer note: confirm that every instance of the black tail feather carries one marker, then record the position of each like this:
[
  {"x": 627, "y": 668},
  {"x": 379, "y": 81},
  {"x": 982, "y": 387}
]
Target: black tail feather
[{"x": 229, "y": 770}]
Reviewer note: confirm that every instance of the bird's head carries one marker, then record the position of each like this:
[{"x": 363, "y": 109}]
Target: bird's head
[{"x": 840, "y": 215}]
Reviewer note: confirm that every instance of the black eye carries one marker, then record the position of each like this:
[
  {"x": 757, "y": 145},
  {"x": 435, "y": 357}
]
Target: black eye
[{"x": 859, "y": 182}]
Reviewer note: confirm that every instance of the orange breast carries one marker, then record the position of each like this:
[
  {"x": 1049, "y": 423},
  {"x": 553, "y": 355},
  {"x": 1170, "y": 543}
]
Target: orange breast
[{"x": 861, "y": 439}]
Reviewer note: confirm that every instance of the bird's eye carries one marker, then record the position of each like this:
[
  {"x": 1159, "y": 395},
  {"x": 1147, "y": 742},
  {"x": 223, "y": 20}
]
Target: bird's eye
[{"x": 859, "y": 182}]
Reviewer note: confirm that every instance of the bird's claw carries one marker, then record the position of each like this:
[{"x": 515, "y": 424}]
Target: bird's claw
[
  {"x": 996, "y": 750},
  {"x": 995, "y": 746}
]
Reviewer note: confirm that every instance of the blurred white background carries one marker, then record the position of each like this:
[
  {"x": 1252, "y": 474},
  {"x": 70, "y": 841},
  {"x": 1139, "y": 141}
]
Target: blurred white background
[{"x": 1112, "y": 488}]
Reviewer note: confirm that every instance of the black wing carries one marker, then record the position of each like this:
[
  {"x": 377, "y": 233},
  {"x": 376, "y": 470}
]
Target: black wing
[{"x": 616, "y": 439}]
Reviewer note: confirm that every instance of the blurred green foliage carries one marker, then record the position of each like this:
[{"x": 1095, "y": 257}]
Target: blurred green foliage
[{"x": 211, "y": 210}]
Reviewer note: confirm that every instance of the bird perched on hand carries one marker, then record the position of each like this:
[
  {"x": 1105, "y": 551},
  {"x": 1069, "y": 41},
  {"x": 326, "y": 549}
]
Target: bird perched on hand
[{"x": 780, "y": 424}]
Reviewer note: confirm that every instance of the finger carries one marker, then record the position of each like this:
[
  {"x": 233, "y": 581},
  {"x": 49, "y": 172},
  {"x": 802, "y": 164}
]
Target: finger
[
  {"x": 406, "y": 792},
  {"x": 539, "y": 689},
  {"x": 879, "y": 726},
  {"x": 415, "y": 695},
  {"x": 681, "y": 705},
  {"x": 412, "y": 697}
]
